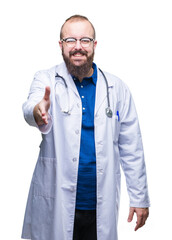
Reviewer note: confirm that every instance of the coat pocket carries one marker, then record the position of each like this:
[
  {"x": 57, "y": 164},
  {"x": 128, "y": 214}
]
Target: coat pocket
[{"x": 44, "y": 178}]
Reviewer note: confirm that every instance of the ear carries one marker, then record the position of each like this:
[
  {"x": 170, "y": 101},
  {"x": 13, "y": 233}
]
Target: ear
[
  {"x": 60, "y": 44},
  {"x": 95, "y": 44}
]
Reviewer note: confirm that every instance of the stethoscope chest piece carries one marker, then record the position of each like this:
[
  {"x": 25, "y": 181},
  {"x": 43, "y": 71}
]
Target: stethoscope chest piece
[{"x": 108, "y": 112}]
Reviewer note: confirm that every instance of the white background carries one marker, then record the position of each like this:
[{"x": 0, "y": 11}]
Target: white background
[{"x": 134, "y": 43}]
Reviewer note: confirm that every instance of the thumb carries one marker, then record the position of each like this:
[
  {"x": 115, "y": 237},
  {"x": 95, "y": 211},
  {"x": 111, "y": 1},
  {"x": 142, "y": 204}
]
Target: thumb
[
  {"x": 47, "y": 94},
  {"x": 131, "y": 214}
]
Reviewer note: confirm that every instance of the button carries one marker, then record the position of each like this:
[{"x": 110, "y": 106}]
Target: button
[
  {"x": 83, "y": 108},
  {"x": 82, "y": 86},
  {"x": 77, "y": 131},
  {"x": 72, "y": 188},
  {"x": 100, "y": 171},
  {"x": 82, "y": 96},
  {"x": 100, "y": 198},
  {"x": 74, "y": 159}
]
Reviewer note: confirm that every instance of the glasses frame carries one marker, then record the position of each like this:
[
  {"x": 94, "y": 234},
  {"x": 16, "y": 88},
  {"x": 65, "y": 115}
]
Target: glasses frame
[{"x": 80, "y": 39}]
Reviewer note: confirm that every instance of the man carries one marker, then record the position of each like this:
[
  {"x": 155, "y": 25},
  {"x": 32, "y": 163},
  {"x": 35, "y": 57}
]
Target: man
[{"x": 89, "y": 127}]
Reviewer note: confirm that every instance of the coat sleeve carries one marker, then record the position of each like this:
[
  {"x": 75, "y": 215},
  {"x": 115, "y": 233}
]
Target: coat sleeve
[
  {"x": 36, "y": 93},
  {"x": 132, "y": 155}
]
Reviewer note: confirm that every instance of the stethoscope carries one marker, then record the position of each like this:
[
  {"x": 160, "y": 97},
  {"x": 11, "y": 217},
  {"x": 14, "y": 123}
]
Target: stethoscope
[{"x": 108, "y": 110}]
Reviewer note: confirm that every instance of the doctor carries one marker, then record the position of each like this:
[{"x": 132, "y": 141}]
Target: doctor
[{"x": 89, "y": 129}]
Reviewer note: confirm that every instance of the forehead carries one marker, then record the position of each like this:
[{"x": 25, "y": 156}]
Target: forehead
[{"x": 77, "y": 29}]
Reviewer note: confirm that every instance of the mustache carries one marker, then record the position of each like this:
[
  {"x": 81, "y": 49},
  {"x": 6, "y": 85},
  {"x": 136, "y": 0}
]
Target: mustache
[{"x": 78, "y": 51}]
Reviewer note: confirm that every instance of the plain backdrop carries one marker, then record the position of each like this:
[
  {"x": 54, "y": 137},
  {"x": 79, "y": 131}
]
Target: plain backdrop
[{"x": 134, "y": 43}]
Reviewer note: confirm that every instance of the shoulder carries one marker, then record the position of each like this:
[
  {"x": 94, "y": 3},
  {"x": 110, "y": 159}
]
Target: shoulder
[
  {"x": 45, "y": 76},
  {"x": 51, "y": 72},
  {"x": 45, "y": 72}
]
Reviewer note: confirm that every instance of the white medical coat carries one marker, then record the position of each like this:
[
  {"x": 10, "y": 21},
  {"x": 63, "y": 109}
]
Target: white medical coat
[{"x": 50, "y": 207}]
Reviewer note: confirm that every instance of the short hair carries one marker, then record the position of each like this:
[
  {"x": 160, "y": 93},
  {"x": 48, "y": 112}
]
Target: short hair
[{"x": 77, "y": 17}]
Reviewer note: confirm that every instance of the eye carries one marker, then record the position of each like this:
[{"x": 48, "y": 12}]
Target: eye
[
  {"x": 70, "y": 40},
  {"x": 85, "y": 40}
]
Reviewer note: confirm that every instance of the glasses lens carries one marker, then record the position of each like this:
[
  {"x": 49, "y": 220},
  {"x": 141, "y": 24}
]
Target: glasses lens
[
  {"x": 71, "y": 42},
  {"x": 85, "y": 42}
]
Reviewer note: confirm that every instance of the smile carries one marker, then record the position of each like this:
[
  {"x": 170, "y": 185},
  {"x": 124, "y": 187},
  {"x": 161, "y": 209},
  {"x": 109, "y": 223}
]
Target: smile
[{"x": 78, "y": 53}]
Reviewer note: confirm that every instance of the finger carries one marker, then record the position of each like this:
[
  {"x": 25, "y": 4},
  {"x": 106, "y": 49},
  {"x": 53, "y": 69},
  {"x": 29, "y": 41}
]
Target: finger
[
  {"x": 43, "y": 107},
  {"x": 131, "y": 214},
  {"x": 40, "y": 121},
  {"x": 47, "y": 93},
  {"x": 142, "y": 215},
  {"x": 41, "y": 110},
  {"x": 140, "y": 222},
  {"x": 45, "y": 119}
]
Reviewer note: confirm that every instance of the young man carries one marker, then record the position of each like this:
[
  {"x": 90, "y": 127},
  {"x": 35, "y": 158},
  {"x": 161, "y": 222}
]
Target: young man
[{"x": 89, "y": 127}]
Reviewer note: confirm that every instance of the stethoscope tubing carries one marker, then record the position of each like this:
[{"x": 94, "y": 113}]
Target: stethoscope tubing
[{"x": 107, "y": 87}]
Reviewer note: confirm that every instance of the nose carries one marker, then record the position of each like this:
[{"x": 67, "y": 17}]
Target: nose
[{"x": 78, "y": 45}]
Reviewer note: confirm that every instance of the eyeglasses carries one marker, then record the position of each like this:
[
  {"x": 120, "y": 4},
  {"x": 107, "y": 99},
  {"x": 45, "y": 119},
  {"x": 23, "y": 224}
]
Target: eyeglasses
[{"x": 71, "y": 42}]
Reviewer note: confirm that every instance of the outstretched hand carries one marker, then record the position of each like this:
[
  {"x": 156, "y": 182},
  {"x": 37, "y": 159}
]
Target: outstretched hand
[
  {"x": 142, "y": 215},
  {"x": 40, "y": 111}
]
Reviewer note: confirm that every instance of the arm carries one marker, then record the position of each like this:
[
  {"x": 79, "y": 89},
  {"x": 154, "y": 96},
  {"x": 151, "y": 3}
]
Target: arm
[{"x": 132, "y": 161}]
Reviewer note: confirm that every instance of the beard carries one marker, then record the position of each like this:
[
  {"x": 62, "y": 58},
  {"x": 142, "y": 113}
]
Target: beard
[{"x": 78, "y": 71}]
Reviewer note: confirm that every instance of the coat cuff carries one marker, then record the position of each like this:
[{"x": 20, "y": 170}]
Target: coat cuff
[{"x": 140, "y": 205}]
